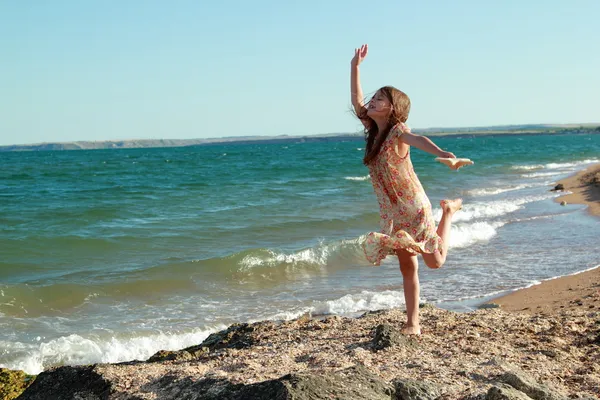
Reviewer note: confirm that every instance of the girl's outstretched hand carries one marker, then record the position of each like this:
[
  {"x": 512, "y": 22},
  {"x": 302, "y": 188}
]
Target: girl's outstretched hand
[
  {"x": 447, "y": 154},
  {"x": 359, "y": 55}
]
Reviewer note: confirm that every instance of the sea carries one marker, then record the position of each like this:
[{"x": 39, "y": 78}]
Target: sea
[{"x": 112, "y": 255}]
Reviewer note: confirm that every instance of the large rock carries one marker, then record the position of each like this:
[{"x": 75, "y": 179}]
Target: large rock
[
  {"x": 355, "y": 383},
  {"x": 82, "y": 382}
]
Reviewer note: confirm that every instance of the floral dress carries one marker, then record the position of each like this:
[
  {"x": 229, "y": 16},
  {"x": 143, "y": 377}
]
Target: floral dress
[{"x": 406, "y": 219}]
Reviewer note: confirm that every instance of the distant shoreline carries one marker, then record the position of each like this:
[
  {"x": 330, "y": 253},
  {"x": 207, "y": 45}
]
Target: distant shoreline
[{"x": 335, "y": 137}]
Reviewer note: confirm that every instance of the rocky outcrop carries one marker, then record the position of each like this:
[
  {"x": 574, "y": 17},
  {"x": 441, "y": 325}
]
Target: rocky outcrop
[
  {"x": 487, "y": 354},
  {"x": 237, "y": 336},
  {"x": 354, "y": 383}
]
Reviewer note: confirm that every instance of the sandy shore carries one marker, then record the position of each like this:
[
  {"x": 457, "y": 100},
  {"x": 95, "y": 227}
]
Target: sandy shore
[
  {"x": 585, "y": 188},
  {"x": 574, "y": 292}
]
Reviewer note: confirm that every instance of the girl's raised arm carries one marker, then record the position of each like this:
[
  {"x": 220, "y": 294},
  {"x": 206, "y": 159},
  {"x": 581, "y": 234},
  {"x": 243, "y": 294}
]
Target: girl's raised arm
[{"x": 356, "y": 93}]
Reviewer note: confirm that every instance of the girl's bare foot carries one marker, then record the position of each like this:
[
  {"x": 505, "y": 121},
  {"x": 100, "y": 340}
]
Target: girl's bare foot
[
  {"x": 411, "y": 330},
  {"x": 451, "y": 206}
]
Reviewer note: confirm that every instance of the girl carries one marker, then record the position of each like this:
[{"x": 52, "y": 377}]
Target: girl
[{"x": 407, "y": 224}]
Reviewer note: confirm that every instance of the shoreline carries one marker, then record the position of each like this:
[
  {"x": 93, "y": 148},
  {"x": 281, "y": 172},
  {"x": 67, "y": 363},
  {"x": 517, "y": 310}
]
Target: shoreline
[
  {"x": 585, "y": 189},
  {"x": 576, "y": 290},
  {"x": 580, "y": 290},
  {"x": 133, "y": 143}
]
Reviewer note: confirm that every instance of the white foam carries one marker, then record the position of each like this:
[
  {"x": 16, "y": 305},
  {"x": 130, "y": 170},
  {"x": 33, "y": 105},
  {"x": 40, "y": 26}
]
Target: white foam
[
  {"x": 468, "y": 234},
  {"x": 490, "y": 209},
  {"x": 318, "y": 255},
  {"x": 493, "y": 191},
  {"x": 527, "y": 167},
  {"x": 571, "y": 164},
  {"x": 357, "y": 178},
  {"x": 78, "y": 350},
  {"x": 364, "y": 301},
  {"x": 541, "y": 174}
]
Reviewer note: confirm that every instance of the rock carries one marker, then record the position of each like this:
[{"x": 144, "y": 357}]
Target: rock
[
  {"x": 487, "y": 306},
  {"x": 387, "y": 336},
  {"x": 505, "y": 392},
  {"x": 563, "y": 203},
  {"x": 164, "y": 355},
  {"x": 237, "y": 336},
  {"x": 355, "y": 383},
  {"x": 560, "y": 186},
  {"x": 549, "y": 353},
  {"x": 407, "y": 389},
  {"x": 82, "y": 382},
  {"x": 13, "y": 383},
  {"x": 526, "y": 384}
]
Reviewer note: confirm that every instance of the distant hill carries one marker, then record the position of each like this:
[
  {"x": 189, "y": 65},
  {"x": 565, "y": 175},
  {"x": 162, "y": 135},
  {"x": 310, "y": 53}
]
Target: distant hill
[{"x": 331, "y": 137}]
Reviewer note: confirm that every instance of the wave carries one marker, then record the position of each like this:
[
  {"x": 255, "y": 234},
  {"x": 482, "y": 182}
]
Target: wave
[
  {"x": 542, "y": 174},
  {"x": 559, "y": 167},
  {"x": 467, "y": 235},
  {"x": 571, "y": 164},
  {"x": 74, "y": 349},
  {"x": 358, "y": 178},
  {"x": 360, "y": 302},
  {"x": 494, "y": 191},
  {"x": 491, "y": 209},
  {"x": 527, "y": 167}
]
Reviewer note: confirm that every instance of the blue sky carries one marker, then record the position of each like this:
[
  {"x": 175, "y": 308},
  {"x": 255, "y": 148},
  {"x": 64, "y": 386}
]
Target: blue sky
[{"x": 100, "y": 70}]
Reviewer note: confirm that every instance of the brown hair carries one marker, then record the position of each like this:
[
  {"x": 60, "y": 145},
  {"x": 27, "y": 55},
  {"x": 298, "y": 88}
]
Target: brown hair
[{"x": 400, "y": 104}]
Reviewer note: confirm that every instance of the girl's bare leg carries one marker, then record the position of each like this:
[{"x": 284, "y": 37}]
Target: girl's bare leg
[
  {"x": 409, "y": 267},
  {"x": 449, "y": 207}
]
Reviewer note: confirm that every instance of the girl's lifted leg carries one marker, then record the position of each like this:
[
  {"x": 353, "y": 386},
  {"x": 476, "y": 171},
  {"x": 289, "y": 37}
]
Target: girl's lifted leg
[
  {"x": 449, "y": 207},
  {"x": 409, "y": 268}
]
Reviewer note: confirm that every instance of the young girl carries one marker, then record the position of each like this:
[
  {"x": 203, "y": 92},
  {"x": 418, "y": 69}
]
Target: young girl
[{"x": 407, "y": 224}]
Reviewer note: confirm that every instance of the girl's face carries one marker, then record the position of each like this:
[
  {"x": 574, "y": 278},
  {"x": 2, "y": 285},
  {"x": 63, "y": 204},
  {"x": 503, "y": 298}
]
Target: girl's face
[{"x": 379, "y": 106}]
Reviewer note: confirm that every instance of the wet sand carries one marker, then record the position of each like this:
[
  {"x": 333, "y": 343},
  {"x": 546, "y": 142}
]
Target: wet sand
[
  {"x": 573, "y": 292},
  {"x": 585, "y": 188}
]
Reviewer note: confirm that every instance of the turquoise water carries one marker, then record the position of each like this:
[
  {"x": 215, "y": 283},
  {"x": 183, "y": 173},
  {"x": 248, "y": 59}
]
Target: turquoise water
[{"x": 111, "y": 255}]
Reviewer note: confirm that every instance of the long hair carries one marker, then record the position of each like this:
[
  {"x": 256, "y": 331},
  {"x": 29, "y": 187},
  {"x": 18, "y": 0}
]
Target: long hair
[{"x": 400, "y": 108}]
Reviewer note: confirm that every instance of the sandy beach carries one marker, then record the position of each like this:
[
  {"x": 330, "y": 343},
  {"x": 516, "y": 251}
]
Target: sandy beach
[
  {"x": 572, "y": 292},
  {"x": 584, "y": 188}
]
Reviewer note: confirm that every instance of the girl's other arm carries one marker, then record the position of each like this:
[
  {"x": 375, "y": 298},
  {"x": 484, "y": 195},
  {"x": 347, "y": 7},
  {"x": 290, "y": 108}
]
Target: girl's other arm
[
  {"x": 425, "y": 144},
  {"x": 356, "y": 93}
]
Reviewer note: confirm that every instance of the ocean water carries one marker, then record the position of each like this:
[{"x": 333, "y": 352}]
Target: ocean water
[{"x": 112, "y": 255}]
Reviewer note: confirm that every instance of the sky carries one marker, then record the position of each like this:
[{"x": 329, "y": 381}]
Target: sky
[{"x": 103, "y": 70}]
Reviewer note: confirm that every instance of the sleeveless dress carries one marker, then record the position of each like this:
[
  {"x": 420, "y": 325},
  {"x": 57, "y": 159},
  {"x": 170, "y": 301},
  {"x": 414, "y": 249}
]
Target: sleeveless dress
[{"x": 406, "y": 219}]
